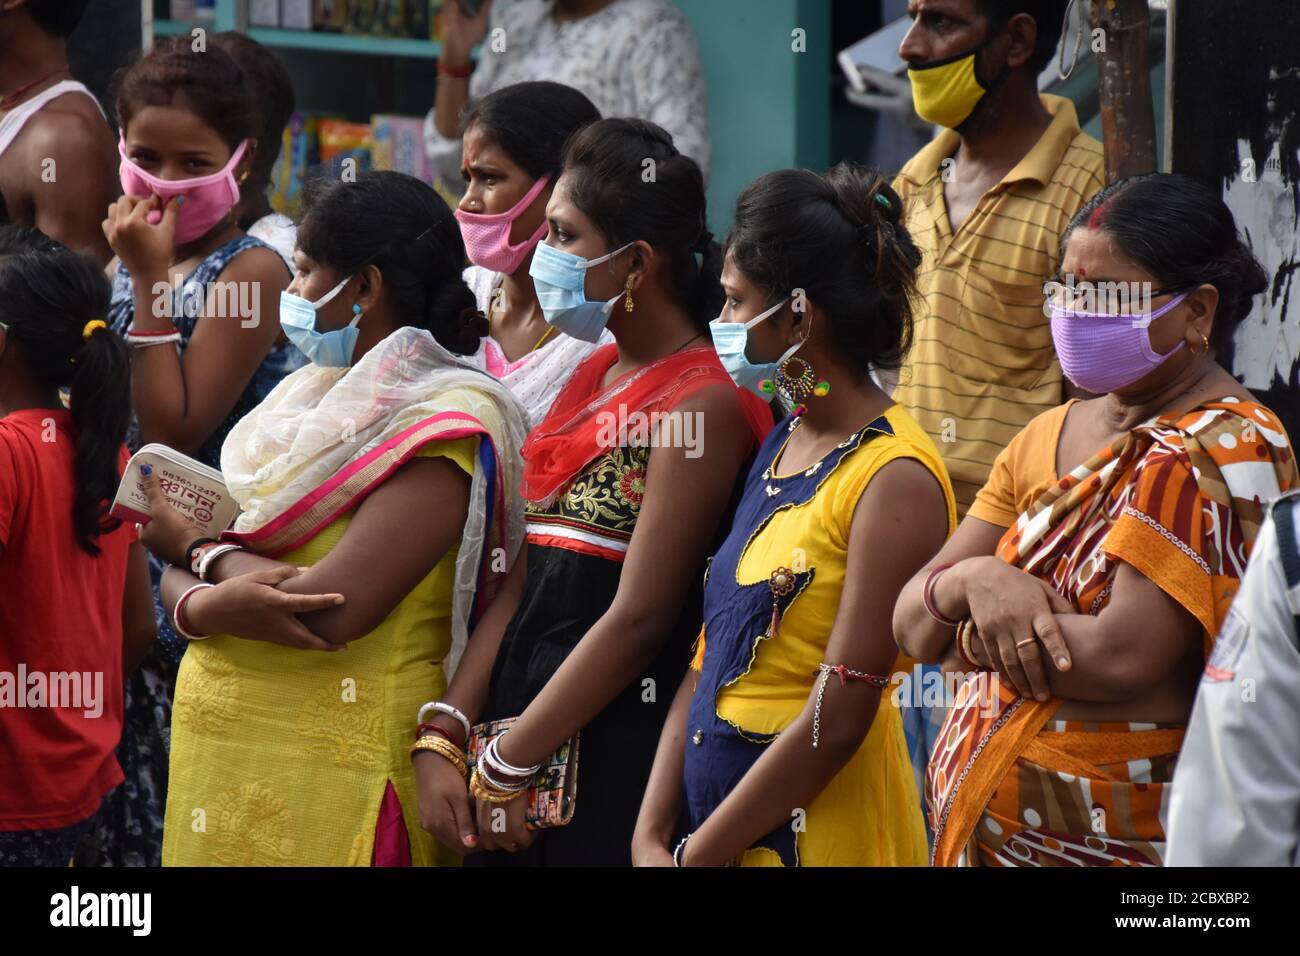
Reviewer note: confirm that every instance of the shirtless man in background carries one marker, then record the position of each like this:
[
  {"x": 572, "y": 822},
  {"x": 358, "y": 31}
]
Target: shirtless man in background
[{"x": 58, "y": 165}]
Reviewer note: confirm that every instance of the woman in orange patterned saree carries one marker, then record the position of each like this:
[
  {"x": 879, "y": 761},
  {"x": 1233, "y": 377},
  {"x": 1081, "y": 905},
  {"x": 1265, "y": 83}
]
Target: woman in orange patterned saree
[{"x": 1083, "y": 591}]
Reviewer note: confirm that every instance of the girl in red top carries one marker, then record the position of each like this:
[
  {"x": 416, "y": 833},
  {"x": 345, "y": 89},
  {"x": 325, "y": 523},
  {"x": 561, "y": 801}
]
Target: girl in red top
[{"x": 75, "y": 598}]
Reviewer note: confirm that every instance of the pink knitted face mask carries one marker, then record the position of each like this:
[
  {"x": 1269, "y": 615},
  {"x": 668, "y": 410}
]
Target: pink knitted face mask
[
  {"x": 1100, "y": 352},
  {"x": 487, "y": 238},
  {"x": 208, "y": 199}
]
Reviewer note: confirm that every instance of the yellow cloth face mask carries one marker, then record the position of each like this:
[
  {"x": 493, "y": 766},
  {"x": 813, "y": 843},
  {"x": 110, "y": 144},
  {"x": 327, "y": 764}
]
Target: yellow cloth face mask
[{"x": 947, "y": 91}]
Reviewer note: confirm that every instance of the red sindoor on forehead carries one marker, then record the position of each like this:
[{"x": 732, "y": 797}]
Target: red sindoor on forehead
[{"x": 1098, "y": 215}]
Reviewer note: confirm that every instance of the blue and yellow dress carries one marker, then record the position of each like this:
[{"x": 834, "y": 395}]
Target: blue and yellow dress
[{"x": 752, "y": 686}]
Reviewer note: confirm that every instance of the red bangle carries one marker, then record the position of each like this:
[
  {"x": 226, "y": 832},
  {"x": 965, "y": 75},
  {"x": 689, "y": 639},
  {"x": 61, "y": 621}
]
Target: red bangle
[
  {"x": 178, "y": 613},
  {"x": 928, "y": 598},
  {"x": 430, "y": 727},
  {"x": 459, "y": 73},
  {"x": 426, "y": 728},
  {"x": 136, "y": 332}
]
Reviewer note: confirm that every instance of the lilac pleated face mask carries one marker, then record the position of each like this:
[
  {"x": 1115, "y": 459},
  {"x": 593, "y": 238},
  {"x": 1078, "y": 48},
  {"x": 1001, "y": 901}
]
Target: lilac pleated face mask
[{"x": 1100, "y": 352}]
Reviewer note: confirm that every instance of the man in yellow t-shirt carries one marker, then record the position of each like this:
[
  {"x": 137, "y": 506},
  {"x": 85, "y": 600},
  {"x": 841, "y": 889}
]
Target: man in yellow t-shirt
[{"x": 986, "y": 203}]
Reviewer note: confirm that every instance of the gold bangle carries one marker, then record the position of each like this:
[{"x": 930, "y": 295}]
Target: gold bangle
[
  {"x": 432, "y": 741},
  {"x": 484, "y": 792},
  {"x": 443, "y": 748},
  {"x": 965, "y": 634}
]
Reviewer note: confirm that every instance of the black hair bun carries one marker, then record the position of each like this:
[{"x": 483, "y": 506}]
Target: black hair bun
[
  {"x": 473, "y": 328},
  {"x": 454, "y": 318}
]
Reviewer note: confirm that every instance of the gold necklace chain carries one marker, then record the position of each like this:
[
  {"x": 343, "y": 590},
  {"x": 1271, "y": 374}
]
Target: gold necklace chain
[{"x": 540, "y": 342}]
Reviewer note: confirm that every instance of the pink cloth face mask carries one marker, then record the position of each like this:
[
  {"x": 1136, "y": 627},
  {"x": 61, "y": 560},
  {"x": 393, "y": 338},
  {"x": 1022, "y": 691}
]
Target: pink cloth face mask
[
  {"x": 487, "y": 238},
  {"x": 1100, "y": 352},
  {"x": 208, "y": 199}
]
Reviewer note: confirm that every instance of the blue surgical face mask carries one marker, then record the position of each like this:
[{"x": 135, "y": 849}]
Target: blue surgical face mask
[
  {"x": 729, "y": 341},
  {"x": 560, "y": 279},
  {"x": 326, "y": 349}
]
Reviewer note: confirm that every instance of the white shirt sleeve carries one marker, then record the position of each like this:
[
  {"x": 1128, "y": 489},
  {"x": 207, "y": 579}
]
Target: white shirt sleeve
[
  {"x": 663, "y": 80},
  {"x": 1236, "y": 789},
  {"x": 444, "y": 151}
]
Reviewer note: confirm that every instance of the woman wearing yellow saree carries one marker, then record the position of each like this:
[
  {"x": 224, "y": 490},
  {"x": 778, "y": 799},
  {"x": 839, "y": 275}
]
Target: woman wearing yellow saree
[
  {"x": 375, "y": 486},
  {"x": 1085, "y": 588}
]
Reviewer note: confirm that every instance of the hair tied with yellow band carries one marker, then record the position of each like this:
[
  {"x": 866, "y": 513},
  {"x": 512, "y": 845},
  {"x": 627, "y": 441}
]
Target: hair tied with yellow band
[{"x": 89, "y": 329}]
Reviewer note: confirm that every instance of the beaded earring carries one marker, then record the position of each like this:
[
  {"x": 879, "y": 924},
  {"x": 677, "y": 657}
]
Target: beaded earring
[
  {"x": 795, "y": 386},
  {"x": 627, "y": 299}
]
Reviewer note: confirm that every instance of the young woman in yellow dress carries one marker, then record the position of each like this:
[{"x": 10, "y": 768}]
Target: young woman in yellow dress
[
  {"x": 376, "y": 488},
  {"x": 783, "y": 747}
]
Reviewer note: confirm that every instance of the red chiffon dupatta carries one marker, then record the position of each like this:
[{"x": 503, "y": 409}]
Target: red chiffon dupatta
[{"x": 575, "y": 431}]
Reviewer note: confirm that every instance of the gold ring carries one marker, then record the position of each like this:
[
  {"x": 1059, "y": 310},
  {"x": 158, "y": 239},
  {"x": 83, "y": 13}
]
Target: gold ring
[{"x": 1028, "y": 640}]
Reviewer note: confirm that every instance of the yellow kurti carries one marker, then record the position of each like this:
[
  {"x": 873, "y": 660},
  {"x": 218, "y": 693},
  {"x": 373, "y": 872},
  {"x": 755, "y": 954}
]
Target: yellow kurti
[
  {"x": 870, "y": 812},
  {"x": 281, "y": 757}
]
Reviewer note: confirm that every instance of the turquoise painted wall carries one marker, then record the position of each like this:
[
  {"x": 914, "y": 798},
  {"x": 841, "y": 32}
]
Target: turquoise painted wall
[{"x": 769, "y": 107}]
